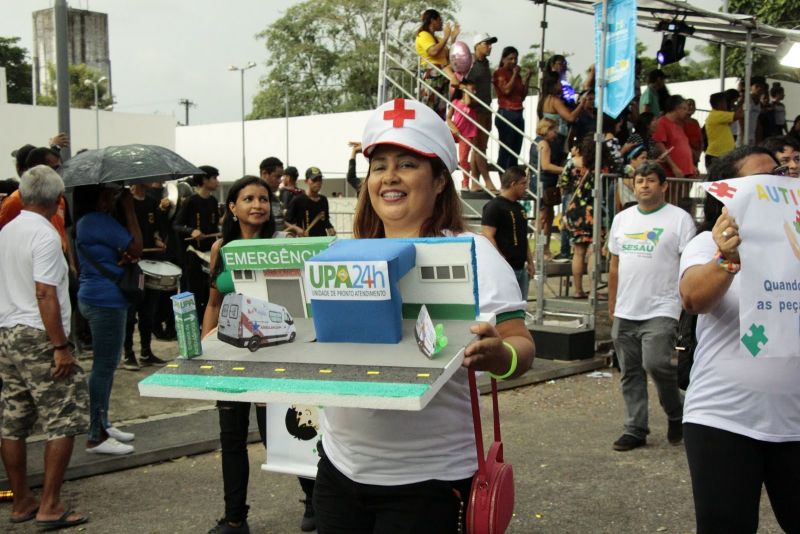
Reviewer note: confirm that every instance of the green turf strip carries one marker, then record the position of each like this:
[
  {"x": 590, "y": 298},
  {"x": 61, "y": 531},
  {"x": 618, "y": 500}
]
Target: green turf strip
[{"x": 243, "y": 384}]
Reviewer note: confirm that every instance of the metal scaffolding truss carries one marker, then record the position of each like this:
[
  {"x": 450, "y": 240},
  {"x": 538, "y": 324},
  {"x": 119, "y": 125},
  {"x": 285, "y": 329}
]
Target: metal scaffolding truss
[{"x": 730, "y": 29}]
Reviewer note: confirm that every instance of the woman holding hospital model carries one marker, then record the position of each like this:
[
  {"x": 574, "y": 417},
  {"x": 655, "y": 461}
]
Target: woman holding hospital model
[{"x": 396, "y": 471}]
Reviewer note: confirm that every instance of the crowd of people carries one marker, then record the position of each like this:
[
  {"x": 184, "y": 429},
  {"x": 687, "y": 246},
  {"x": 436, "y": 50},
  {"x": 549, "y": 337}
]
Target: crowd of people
[
  {"x": 739, "y": 417},
  {"x": 379, "y": 469},
  {"x": 107, "y": 227}
]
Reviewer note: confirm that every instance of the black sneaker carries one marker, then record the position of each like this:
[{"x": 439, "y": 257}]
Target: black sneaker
[
  {"x": 223, "y": 527},
  {"x": 148, "y": 358},
  {"x": 129, "y": 362},
  {"x": 309, "y": 521},
  {"x": 675, "y": 432},
  {"x": 628, "y": 443}
]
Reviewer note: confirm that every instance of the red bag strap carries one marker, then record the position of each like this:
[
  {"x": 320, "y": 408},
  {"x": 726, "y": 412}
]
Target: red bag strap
[{"x": 476, "y": 418}]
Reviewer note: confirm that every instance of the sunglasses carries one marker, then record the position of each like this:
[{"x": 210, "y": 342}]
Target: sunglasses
[{"x": 780, "y": 170}]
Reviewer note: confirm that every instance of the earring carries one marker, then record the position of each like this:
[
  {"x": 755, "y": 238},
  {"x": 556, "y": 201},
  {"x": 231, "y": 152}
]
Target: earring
[{"x": 235, "y": 218}]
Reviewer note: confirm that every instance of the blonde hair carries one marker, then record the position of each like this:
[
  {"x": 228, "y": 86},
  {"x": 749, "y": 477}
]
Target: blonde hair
[{"x": 544, "y": 126}]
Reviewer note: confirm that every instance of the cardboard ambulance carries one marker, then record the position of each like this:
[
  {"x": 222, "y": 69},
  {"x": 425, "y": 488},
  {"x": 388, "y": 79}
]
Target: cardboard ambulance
[{"x": 251, "y": 322}]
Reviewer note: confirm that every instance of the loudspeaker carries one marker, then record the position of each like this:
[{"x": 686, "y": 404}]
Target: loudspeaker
[
  {"x": 671, "y": 51},
  {"x": 562, "y": 343}
]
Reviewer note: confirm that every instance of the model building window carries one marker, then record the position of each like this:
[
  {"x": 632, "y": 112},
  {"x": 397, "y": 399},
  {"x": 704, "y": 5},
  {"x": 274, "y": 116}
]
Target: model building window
[
  {"x": 454, "y": 273},
  {"x": 459, "y": 272},
  {"x": 243, "y": 275}
]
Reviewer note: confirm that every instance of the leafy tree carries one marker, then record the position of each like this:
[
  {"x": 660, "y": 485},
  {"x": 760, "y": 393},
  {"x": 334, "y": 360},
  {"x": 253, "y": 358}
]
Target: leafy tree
[
  {"x": 324, "y": 54},
  {"x": 18, "y": 70},
  {"x": 81, "y": 95},
  {"x": 777, "y": 13}
]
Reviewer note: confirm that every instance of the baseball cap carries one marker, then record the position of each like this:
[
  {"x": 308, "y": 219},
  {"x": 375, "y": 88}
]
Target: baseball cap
[
  {"x": 411, "y": 125},
  {"x": 313, "y": 172},
  {"x": 483, "y": 37}
]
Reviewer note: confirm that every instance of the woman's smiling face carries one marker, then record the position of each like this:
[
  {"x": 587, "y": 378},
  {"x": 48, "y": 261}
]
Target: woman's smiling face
[
  {"x": 402, "y": 190},
  {"x": 252, "y": 205}
]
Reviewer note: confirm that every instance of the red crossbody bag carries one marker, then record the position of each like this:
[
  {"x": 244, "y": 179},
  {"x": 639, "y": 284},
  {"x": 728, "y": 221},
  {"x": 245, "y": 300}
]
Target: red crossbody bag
[{"x": 491, "y": 500}]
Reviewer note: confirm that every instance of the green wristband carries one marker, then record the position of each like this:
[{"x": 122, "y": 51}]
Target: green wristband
[{"x": 513, "y": 367}]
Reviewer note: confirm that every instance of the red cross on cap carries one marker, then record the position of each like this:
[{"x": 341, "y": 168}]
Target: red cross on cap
[{"x": 399, "y": 113}]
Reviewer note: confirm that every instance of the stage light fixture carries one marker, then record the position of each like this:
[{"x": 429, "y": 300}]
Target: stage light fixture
[
  {"x": 672, "y": 49},
  {"x": 788, "y": 54}
]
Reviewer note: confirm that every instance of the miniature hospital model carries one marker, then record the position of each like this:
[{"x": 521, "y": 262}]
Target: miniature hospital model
[{"x": 355, "y": 305}]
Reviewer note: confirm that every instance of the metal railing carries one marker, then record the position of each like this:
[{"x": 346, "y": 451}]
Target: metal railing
[{"x": 421, "y": 82}]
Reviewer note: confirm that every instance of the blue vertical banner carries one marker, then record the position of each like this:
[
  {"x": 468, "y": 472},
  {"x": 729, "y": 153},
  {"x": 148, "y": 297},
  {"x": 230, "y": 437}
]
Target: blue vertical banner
[{"x": 620, "y": 60}]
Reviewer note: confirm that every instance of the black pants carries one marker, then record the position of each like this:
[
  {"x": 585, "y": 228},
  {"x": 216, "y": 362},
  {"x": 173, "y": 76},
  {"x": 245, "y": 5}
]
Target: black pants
[
  {"x": 145, "y": 311},
  {"x": 198, "y": 283},
  {"x": 165, "y": 317},
  {"x": 709, "y": 161},
  {"x": 728, "y": 471},
  {"x": 234, "y": 424},
  {"x": 346, "y": 507}
]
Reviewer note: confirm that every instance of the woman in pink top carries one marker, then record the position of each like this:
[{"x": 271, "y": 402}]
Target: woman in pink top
[
  {"x": 462, "y": 119},
  {"x": 511, "y": 87}
]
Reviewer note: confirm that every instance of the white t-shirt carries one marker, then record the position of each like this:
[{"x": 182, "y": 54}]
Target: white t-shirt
[
  {"x": 758, "y": 398},
  {"x": 649, "y": 247},
  {"x": 390, "y": 448},
  {"x": 30, "y": 252}
]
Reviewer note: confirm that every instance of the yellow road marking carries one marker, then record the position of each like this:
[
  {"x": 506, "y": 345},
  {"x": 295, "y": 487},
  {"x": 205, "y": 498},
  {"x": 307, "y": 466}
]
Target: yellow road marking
[
  {"x": 206, "y": 367},
  {"x": 172, "y": 365},
  {"x": 373, "y": 372},
  {"x": 325, "y": 371},
  {"x": 238, "y": 368},
  {"x": 423, "y": 375},
  {"x": 280, "y": 370}
]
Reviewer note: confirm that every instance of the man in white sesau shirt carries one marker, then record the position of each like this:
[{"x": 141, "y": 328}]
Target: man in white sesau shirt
[{"x": 646, "y": 242}]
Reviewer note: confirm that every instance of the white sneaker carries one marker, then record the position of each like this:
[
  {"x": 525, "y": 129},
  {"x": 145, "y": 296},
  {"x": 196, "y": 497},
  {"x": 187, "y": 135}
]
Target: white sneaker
[
  {"x": 111, "y": 446},
  {"x": 119, "y": 435}
]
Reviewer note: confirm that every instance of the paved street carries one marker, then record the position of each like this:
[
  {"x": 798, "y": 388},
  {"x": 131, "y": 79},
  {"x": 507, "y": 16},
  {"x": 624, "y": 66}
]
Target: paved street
[{"x": 558, "y": 438}]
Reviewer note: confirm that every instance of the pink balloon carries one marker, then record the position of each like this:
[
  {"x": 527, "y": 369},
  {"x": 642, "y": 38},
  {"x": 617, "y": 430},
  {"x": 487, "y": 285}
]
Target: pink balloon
[{"x": 460, "y": 57}]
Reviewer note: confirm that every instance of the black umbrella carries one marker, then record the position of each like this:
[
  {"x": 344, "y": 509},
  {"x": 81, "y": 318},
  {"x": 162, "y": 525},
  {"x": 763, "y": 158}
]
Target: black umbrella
[{"x": 126, "y": 163}]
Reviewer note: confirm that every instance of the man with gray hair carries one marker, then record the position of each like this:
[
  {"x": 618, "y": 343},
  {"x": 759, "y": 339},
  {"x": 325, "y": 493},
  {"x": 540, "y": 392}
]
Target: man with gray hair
[{"x": 41, "y": 378}]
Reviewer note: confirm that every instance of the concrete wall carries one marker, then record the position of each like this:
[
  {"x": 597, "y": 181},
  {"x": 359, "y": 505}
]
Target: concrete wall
[
  {"x": 319, "y": 140},
  {"x": 37, "y": 124}
]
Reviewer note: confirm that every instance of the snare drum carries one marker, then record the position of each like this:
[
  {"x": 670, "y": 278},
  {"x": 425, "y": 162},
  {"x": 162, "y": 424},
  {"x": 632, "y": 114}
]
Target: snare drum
[{"x": 161, "y": 275}]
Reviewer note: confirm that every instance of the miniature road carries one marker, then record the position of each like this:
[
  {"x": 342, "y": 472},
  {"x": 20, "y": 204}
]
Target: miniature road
[{"x": 557, "y": 436}]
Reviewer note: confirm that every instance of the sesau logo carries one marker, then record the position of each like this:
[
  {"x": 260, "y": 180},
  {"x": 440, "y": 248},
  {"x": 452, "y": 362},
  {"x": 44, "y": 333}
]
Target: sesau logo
[
  {"x": 348, "y": 280},
  {"x": 642, "y": 243}
]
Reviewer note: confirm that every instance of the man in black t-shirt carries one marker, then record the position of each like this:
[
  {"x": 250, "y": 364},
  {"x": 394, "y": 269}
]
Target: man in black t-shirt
[
  {"x": 289, "y": 188},
  {"x": 271, "y": 171},
  {"x": 308, "y": 215},
  {"x": 151, "y": 222},
  {"x": 504, "y": 223},
  {"x": 199, "y": 220}
]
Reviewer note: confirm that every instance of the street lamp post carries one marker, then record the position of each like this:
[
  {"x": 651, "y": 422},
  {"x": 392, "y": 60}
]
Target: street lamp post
[
  {"x": 93, "y": 84},
  {"x": 241, "y": 70},
  {"x": 286, "y": 107}
]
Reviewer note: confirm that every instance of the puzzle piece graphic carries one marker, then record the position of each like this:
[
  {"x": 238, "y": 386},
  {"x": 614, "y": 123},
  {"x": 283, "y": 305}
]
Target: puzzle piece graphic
[
  {"x": 755, "y": 339},
  {"x": 722, "y": 190}
]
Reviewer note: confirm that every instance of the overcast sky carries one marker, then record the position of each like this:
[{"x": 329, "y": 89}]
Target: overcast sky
[{"x": 165, "y": 50}]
